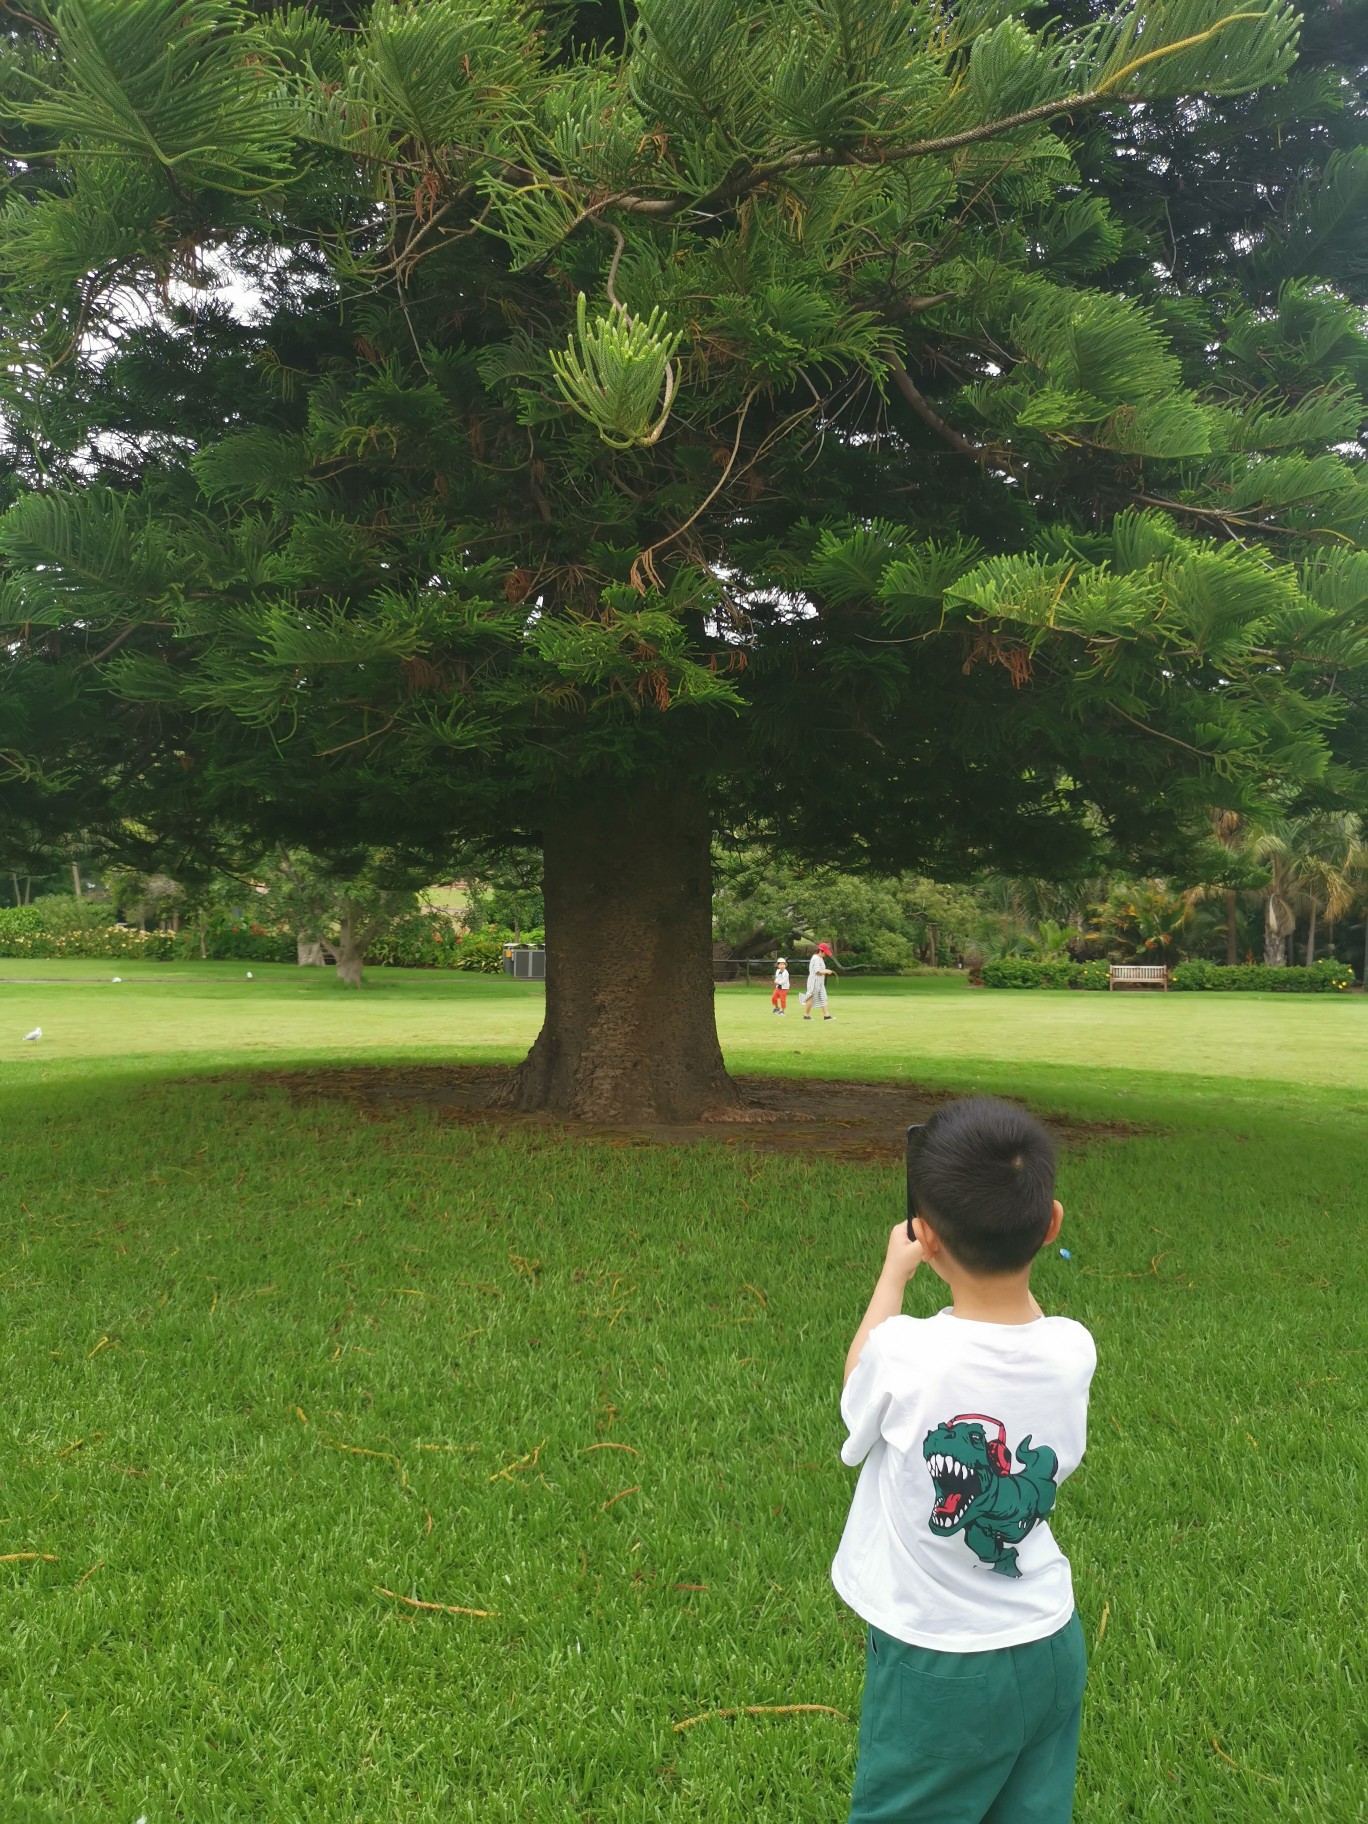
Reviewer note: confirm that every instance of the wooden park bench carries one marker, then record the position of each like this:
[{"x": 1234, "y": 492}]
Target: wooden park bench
[{"x": 1138, "y": 975}]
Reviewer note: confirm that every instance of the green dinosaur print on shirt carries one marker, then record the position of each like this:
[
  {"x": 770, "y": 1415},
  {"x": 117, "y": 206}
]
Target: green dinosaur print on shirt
[{"x": 978, "y": 1494}]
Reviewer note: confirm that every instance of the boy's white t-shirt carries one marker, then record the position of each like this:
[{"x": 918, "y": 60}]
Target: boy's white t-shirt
[
  {"x": 965, "y": 1430},
  {"x": 781, "y": 978}
]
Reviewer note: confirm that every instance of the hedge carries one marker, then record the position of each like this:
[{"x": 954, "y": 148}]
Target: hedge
[
  {"x": 418, "y": 942},
  {"x": 424, "y": 942},
  {"x": 1020, "y": 972},
  {"x": 1321, "y": 978},
  {"x": 117, "y": 943}
]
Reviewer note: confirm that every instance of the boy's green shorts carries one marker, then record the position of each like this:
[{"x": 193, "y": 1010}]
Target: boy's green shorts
[{"x": 970, "y": 1738}]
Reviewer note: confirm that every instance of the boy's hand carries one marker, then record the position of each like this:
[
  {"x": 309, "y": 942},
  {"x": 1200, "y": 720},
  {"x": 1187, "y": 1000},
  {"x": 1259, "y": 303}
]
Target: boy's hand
[
  {"x": 901, "y": 1261},
  {"x": 904, "y": 1255}
]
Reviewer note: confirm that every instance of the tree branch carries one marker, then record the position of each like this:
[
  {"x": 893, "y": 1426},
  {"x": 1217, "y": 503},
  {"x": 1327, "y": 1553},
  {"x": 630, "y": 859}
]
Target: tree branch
[
  {"x": 905, "y": 385},
  {"x": 643, "y": 567},
  {"x": 741, "y": 183},
  {"x": 1234, "y": 519},
  {"x": 117, "y": 641}
]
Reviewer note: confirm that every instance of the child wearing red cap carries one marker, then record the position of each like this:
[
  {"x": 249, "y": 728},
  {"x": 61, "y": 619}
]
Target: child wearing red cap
[{"x": 816, "y": 995}]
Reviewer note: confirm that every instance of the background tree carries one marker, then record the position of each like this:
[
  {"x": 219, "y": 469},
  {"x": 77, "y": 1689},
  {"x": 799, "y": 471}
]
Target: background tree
[
  {"x": 1312, "y": 859},
  {"x": 336, "y": 906},
  {"x": 145, "y": 898},
  {"x": 506, "y": 892},
  {"x": 1332, "y": 852},
  {"x": 762, "y": 908},
  {"x": 415, "y": 410}
]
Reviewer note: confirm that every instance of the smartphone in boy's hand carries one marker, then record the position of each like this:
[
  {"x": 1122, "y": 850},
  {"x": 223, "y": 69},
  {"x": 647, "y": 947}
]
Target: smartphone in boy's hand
[{"x": 915, "y": 1134}]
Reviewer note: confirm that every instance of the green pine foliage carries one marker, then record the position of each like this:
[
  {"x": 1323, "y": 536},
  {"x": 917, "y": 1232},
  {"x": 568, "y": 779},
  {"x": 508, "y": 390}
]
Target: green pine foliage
[{"x": 421, "y": 415}]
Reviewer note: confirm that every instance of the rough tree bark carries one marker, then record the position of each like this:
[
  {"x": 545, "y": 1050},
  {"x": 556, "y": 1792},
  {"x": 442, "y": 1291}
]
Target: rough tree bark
[
  {"x": 630, "y": 1033},
  {"x": 308, "y": 953},
  {"x": 1232, "y": 931},
  {"x": 349, "y": 952},
  {"x": 1311, "y": 936}
]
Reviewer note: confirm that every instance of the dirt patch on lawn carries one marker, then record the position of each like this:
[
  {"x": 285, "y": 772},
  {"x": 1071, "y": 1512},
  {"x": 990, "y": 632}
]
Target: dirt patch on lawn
[{"x": 858, "y": 1121}]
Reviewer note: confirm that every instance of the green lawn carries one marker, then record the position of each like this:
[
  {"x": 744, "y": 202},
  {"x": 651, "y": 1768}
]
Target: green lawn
[
  {"x": 197, "y": 1013},
  {"x": 263, "y": 1364}
]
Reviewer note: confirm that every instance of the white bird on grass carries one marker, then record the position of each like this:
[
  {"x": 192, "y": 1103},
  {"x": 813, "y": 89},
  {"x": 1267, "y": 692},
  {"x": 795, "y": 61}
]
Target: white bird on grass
[
  {"x": 249, "y": 975},
  {"x": 37, "y": 1033},
  {"x": 118, "y": 978}
]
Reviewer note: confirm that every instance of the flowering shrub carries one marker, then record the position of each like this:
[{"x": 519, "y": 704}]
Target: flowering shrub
[
  {"x": 26, "y": 931},
  {"x": 421, "y": 941},
  {"x": 241, "y": 940}
]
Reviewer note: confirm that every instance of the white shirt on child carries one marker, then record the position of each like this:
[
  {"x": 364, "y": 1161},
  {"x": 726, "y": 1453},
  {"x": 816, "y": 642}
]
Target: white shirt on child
[
  {"x": 931, "y": 1407},
  {"x": 781, "y": 978}
]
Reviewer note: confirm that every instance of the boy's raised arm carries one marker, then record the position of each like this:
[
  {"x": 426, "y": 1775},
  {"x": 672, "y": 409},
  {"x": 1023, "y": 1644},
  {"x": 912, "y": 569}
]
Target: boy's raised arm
[{"x": 901, "y": 1261}]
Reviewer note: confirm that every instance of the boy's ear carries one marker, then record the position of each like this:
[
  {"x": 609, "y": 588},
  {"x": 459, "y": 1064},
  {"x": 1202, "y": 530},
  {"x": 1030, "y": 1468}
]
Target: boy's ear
[
  {"x": 1056, "y": 1223},
  {"x": 927, "y": 1236}
]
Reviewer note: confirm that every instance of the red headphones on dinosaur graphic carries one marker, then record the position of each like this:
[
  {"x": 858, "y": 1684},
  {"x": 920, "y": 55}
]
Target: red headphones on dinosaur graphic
[{"x": 998, "y": 1454}]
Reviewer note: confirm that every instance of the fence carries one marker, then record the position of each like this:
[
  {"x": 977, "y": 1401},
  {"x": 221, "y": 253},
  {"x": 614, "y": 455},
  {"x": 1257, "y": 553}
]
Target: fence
[
  {"x": 527, "y": 963},
  {"x": 745, "y": 970}
]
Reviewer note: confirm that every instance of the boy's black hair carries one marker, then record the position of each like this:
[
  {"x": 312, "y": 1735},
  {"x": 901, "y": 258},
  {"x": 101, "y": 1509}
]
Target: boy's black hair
[{"x": 984, "y": 1179}]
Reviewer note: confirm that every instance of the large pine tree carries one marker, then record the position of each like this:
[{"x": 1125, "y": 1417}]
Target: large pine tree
[{"x": 559, "y": 423}]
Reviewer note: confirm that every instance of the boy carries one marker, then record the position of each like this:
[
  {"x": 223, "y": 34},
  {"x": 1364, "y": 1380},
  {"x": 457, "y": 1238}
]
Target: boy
[
  {"x": 816, "y": 995},
  {"x": 966, "y": 1423},
  {"x": 779, "y": 999}
]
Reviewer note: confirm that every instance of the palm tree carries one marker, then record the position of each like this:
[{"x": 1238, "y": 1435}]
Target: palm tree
[
  {"x": 1328, "y": 868},
  {"x": 1228, "y": 829},
  {"x": 1311, "y": 859}
]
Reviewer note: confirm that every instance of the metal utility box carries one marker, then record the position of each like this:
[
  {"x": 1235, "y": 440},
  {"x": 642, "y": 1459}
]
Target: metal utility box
[{"x": 524, "y": 962}]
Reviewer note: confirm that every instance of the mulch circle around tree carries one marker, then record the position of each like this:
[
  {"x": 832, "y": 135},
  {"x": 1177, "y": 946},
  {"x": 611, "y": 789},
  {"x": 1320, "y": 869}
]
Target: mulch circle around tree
[{"x": 856, "y": 1121}]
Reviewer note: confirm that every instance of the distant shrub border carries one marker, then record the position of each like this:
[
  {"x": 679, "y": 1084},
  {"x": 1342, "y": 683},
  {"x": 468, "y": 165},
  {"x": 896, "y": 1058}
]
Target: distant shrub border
[
  {"x": 1020, "y": 972},
  {"x": 1196, "y": 978},
  {"x": 419, "y": 942},
  {"x": 424, "y": 942},
  {"x": 1320, "y": 978},
  {"x": 116, "y": 944}
]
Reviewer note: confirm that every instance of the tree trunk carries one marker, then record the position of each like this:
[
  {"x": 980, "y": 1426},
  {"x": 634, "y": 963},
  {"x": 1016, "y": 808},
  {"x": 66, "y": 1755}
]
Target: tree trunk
[
  {"x": 308, "y": 953},
  {"x": 349, "y": 964},
  {"x": 76, "y": 879},
  {"x": 349, "y": 952},
  {"x": 1311, "y": 937},
  {"x": 630, "y": 1033},
  {"x": 1232, "y": 932},
  {"x": 1275, "y": 933}
]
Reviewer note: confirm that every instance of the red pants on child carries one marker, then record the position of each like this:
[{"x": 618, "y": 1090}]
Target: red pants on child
[{"x": 779, "y": 999}]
